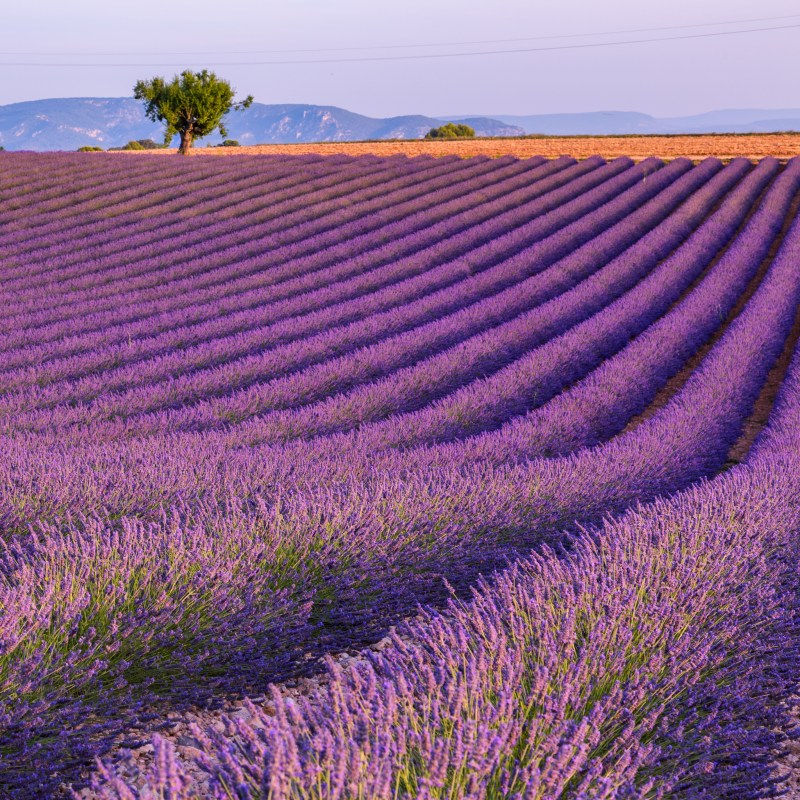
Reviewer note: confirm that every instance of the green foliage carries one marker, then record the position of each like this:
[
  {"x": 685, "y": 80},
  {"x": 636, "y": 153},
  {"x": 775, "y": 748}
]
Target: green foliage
[
  {"x": 192, "y": 104},
  {"x": 149, "y": 144},
  {"x": 90, "y": 149},
  {"x": 451, "y": 131},
  {"x": 229, "y": 143},
  {"x": 140, "y": 144}
]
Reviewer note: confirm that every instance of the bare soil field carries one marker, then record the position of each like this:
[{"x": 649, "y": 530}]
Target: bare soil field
[{"x": 753, "y": 146}]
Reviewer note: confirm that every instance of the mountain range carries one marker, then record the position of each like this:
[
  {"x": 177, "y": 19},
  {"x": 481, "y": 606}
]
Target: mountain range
[
  {"x": 732, "y": 120},
  {"x": 69, "y": 123}
]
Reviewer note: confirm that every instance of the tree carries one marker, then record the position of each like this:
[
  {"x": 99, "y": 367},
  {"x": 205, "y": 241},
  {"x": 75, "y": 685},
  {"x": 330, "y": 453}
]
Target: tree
[
  {"x": 451, "y": 131},
  {"x": 192, "y": 105}
]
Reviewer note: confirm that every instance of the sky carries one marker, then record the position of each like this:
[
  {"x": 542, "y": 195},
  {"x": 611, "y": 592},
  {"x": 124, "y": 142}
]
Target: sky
[{"x": 375, "y": 57}]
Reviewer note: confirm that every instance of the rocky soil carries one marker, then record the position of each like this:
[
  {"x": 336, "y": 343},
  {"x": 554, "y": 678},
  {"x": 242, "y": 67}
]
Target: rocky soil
[{"x": 134, "y": 764}]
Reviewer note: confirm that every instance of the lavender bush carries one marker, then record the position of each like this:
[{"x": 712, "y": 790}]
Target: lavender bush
[{"x": 243, "y": 434}]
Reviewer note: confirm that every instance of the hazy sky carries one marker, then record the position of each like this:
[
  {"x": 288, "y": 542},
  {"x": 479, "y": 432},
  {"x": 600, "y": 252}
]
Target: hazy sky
[{"x": 666, "y": 78}]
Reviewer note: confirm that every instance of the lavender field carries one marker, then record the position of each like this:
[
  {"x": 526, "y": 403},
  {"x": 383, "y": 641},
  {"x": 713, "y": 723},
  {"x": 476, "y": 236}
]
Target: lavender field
[{"x": 533, "y": 425}]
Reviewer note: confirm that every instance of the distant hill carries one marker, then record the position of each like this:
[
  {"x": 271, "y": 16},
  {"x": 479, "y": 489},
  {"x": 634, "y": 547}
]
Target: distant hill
[
  {"x": 734, "y": 120},
  {"x": 66, "y": 124},
  {"x": 593, "y": 122}
]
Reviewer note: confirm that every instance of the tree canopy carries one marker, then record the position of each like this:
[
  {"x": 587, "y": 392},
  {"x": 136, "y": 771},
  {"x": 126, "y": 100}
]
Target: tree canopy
[
  {"x": 451, "y": 131},
  {"x": 192, "y": 104}
]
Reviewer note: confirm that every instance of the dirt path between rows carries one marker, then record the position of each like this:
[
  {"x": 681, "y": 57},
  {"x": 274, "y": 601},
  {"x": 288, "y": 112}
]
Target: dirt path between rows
[
  {"x": 133, "y": 759},
  {"x": 723, "y": 146},
  {"x": 763, "y": 406}
]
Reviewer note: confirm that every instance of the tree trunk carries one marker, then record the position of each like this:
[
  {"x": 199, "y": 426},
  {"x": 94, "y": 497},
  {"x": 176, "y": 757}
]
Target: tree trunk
[{"x": 186, "y": 142}]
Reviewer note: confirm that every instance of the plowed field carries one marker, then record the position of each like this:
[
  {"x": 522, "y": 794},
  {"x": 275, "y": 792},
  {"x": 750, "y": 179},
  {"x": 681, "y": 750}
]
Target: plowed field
[{"x": 754, "y": 147}]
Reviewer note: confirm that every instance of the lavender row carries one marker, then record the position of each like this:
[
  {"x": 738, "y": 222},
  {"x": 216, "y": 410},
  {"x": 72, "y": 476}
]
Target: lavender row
[
  {"x": 502, "y": 351},
  {"x": 353, "y": 205},
  {"x": 138, "y": 232},
  {"x": 40, "y": 473},
  {"x": 301, "y": 276},
  {"x": 419, "y": 342},
  {"x": 135, "y": 350},
  {"x": 604, "y": 402},
  {"x": 233, "y": 263},
  {"x": 580, "y": 231},
  {"x": 45, "y": 246},
  {"x": 92, "y": 273},
  {"x": 34, "y": 173},
  {"x": 138, "y": 171},
  {"x": 412, "y": 216},
  {"x": 707, "y": 577},
  {"x": 123, "y": 218},
  {"x": 145, "y": 170},
  {"x": 92, "y": 180},
  {"x": 584, "y": 677},
  {"x": 86, "y": 206},
  {"x": 370, "y": 545},
  {"x": 124, "y": 229},
  {"x": 231, "y": 324},
  {"x": 23, "y": 173},
  {"x": 547, "y": 369}
]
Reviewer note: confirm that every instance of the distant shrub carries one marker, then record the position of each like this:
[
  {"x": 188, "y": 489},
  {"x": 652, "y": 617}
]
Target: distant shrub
[
  {"x": 141, "y": 144},
  {"x": 147, "y": 144},
  {"x": 451, "y": 131},
  {"x": 90, "y": 149},
  {"x": 1, "y": 147},
  {"x": 229, "y": 143}
]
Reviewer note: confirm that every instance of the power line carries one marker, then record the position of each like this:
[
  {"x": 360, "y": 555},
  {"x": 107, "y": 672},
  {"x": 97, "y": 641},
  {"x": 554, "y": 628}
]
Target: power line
[
  {"x": 412, "y": 46},
  {"x": 403, "y": 57}
]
